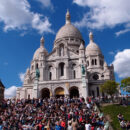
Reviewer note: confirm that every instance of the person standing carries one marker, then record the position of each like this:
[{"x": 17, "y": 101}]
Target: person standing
[
  {"x": 70, "y": 127},
  {"x": 87, "y": 126},
  {"x": 74, "y": 124},
  {"x": 58, "y": 127}
]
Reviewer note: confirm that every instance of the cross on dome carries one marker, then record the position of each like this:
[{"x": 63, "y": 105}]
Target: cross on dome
[{"x": 68, "y": 18}]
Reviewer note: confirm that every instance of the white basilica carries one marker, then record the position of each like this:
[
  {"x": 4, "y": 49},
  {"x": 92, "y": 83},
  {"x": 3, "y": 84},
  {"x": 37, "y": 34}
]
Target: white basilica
[{"x": 71, "y": 69}]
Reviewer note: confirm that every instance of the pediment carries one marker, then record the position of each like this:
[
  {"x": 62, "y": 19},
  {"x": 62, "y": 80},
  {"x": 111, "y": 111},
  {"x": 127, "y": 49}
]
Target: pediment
[
  {"x": 73, "y": 54},
  {"x": 51, "y": 55}
]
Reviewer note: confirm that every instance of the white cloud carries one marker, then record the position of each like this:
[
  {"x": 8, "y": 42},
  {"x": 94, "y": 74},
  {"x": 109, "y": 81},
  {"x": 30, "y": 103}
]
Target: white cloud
[
  {"x": 122, "y": 63},
  {"x": 17, "y": 14},
  {"x": 21, "y": 76},
  {"x": 104, "y": 13},
  {"x": 10, "y": 92},
  {"x": 46, "y": 3},
  {"x": 122, "y": 32},
  {"x": 111, "y": 53},
  {"x": 114, "y": 52},
  {"x": 41, "y": 25}
]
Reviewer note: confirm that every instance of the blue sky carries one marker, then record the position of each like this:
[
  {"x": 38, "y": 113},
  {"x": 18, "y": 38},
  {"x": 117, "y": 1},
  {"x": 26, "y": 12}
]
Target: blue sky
[{"x": 23, "y": 22}]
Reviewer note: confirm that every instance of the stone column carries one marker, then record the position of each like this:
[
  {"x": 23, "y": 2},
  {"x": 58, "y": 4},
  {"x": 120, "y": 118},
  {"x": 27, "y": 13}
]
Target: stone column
[
  {"x": 41, "y": 74},
  {"x": 84, "y": 87},
  {"x": 44, "y": 73},
  {"x": 67, "y": 86},
  {"x": 51, "y": 91},
  {"x": 67, "y": 75},
  {"x": 98, "y": 61},
  {"x": 57, "y": 73},
  {"x": 35, "y": 89}
]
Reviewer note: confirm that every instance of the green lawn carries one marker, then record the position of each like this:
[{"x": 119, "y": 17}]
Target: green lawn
[{"x": 113, "y": 111}]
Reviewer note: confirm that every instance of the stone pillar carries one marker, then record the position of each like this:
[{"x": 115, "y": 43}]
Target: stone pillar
[
  {"x": 51, "y": 91},
  {"x": 98, "y": 61},
  {"x": 41, "y": 74},
  {"x": 44, "y": 73},
  {"x": 57, "y": 73},
  {"x": 84, "y": 87},
  {"x": 35, "y": 89},
  {"x": 67, "y": 75},
  {"x": 67, "y": 86},
  {"x": 84, "y": 81}
]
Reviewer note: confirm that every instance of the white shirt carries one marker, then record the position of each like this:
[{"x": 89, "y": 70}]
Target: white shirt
[
  {"x": 87, "y": 127},
  {"x": 98, "y": 128},
  {"x": 70, "y": 127}
]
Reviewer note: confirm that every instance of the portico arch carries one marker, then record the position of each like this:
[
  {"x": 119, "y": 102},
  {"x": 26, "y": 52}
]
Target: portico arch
[
  {"x": 45, "y": 93},
  {"x": 59, "y": 92},
  {"x": 74, "y": 92}
]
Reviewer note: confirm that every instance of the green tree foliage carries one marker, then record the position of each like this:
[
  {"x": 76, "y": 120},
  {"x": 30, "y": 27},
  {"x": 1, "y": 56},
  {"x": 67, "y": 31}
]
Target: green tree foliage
[
  {"x": 109, "y": 87},
  {"x": 125, "y": 84}
]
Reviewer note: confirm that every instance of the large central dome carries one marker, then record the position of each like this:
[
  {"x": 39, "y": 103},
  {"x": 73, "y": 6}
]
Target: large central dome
[{"x": 68, "y": 30}]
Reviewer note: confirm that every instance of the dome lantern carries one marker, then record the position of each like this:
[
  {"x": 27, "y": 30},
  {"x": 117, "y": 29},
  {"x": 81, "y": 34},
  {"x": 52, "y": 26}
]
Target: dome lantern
[
  {"x": 68, "y": 21},
  {"x": 42, "y": 42},
  {"x": 91, "y": 37}
]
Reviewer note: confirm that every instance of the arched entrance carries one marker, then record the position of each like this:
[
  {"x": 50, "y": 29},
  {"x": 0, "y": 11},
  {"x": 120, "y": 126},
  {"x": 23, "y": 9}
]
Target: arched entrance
[
  {"x": 59, "y": 92},
  {"x": 45, "y": 93},
  {"x": 74, "y": 92}
]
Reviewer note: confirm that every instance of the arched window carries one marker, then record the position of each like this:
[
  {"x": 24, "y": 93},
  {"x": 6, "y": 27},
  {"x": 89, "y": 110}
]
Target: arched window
[
  {"x": 101, "y": 62},
  {"x": 61, "y": 66},
  {"x": 37, "y": 66},
  {"x": 95, "y": 61},
  {"x": 50, "y": 73},
  {"x": 28, "y": 96},
  {"x": 88, "y": 63},
  {"x": 95, "y": 77},
  {"x": 74, "y": 73},
  {"x": 50, "y": 76},
  {"x": 92, "y": 61},
  {"x": 61, "y": 50}
]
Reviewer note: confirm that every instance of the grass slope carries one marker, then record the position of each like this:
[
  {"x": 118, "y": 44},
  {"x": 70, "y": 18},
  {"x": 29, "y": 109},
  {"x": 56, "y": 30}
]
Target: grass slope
[{"x": 113, "y": 111}]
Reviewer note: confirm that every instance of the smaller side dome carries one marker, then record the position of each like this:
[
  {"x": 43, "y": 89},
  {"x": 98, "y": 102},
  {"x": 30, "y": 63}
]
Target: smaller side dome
[
  {"x": 92, "y": 48},
  {"x": 41, "y": 50}
]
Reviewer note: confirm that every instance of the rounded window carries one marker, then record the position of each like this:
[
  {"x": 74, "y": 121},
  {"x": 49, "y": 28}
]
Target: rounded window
[{"x": 95, "y": 77}]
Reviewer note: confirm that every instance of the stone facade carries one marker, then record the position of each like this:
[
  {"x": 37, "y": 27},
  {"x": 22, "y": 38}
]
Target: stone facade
[
  {"x": 2, "y": 88},
  {"x": 61, "y": 70}
]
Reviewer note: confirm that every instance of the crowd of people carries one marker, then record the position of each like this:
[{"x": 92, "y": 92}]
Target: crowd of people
[
  {"x": 124, "y": 124},
  {"x": 51, "y": 114}
]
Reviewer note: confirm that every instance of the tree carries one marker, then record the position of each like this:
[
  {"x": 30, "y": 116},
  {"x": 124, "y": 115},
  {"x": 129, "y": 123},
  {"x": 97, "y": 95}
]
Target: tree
[
  {"x": 125, "y": 84},
  {"x": 109, "y": 87}
]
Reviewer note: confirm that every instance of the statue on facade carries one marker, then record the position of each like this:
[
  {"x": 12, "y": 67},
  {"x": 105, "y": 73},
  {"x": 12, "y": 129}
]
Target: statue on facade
[
  {"x": 37, "y": 74},
  {"x": 83, "y": 70},
  {"x": 62, "y": 51}
]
